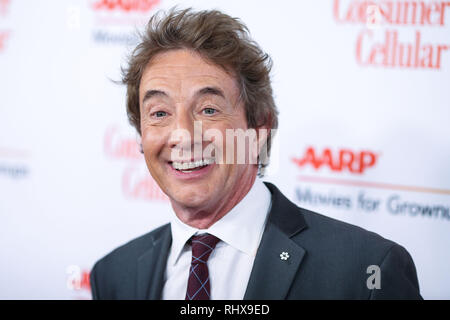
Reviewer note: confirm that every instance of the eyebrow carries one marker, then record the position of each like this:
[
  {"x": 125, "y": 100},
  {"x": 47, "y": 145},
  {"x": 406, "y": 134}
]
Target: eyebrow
[
  {"x": 204, "y": 91},
  {"x": 210, "y": 91},
  {"x": 152, "y": 93}
]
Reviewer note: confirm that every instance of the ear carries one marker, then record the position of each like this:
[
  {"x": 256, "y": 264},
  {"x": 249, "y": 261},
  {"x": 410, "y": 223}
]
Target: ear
[
  {"x": 139, "y": 143},
  {"x": 262, "y": 136}
]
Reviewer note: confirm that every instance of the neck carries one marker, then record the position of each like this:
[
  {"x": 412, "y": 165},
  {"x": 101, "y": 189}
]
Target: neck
[{"x": 206, "y": 216}]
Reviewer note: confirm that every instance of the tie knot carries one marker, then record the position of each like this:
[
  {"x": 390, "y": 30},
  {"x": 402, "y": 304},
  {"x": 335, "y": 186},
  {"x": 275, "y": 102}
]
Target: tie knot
[{"x": 202, "y": 247}]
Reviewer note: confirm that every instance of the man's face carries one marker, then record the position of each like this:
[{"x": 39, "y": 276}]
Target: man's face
[{"x": 177, "y": 88}]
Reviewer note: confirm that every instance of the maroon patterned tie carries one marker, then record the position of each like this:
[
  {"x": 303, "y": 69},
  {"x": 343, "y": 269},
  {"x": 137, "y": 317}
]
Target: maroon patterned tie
[{"x": 198, "y": 287}]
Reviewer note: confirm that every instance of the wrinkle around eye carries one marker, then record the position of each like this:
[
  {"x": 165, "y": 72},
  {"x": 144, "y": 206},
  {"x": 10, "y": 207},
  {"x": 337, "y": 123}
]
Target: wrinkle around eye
[
  {"x": 151, "y": 118},
  {"x": 210, "y": 108},
  {"x": 155, "y": 114}
]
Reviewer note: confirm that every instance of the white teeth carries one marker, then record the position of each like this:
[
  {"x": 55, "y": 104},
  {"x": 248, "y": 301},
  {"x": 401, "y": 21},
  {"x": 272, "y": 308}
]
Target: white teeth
[{"x": 191, "y": 165}]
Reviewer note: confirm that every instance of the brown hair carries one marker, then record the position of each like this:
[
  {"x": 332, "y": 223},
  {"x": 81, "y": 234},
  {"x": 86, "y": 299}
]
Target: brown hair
[{"x": 219, "y": 38}]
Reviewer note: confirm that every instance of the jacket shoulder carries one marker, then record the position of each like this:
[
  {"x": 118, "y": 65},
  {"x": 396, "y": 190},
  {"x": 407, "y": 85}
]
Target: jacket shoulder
[
  {"x": 349, "y": 254},
  {"x": 336, "y": 232},
  {"x": 317, "y": 230},
  {"x": 339, "y": 256},
  {"x": 135, "y": 247},
  {"x": 117, "y": 269}
]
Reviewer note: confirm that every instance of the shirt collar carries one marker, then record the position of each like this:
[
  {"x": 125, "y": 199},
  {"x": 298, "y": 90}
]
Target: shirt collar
[{"x": 241, "y": 227}]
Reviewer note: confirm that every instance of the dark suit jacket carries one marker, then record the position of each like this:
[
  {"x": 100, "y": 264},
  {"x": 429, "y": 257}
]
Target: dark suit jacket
[{"x": 328, "y": 259}]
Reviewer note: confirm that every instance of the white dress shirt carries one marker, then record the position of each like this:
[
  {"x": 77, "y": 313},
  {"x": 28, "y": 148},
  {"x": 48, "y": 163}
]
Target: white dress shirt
[{"x": 231, "y": 262}]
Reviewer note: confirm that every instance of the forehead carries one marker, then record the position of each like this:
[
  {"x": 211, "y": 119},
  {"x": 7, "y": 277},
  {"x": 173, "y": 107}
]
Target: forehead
[{"x": 181, "y": 69}]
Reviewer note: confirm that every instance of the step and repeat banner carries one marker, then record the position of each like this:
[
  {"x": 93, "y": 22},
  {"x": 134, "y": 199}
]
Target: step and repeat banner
[{"x": 363, "y": 91}]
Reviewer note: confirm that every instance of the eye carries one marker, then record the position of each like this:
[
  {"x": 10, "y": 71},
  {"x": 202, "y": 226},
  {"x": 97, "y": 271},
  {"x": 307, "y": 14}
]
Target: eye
[
  {"x": 209, "y": 111},
  {"x": 159, "y": 114}
]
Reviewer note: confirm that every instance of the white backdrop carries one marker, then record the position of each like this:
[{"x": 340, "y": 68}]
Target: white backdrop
[{"x": 364, "y": 131}]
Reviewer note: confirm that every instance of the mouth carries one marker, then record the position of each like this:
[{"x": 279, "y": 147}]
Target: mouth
[{"x": 191, "y": 166}]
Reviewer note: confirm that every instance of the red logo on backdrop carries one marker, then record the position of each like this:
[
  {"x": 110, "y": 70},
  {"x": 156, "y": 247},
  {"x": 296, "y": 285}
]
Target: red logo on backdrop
[
  {"x": 337, "y": 161},
  {"x": 4, "y": 6},
  {"x": 384, "y": 47},
  {"x": 4, "y": 35},
  {"x": 125, "y": 5},
  {"x": 137, "y": 183},
  {"x": 120, "y": 146},
  {"x": 77, "y": 278},
  {"x": 85, "y": 281},
  {"x": 128, "y": 14}
]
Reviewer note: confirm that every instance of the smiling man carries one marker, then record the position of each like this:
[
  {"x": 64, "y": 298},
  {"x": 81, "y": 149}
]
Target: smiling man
[
  {"x": 196, "y": 81},
  {"x": 179, "y": 88}
]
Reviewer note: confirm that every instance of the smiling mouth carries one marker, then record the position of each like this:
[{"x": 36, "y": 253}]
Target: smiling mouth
[{"x": 191, "y": 166}]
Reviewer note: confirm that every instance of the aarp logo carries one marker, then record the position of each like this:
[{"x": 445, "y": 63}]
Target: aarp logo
[{"x": 341, "y": 160}]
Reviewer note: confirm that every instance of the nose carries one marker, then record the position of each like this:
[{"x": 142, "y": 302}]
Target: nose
[
  {"x": 184, "y": 134},
  {"x": 183, "y": 128}
]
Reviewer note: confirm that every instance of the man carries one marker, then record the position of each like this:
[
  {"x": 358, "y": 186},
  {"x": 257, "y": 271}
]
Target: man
[{"x": 231, "y": 236}]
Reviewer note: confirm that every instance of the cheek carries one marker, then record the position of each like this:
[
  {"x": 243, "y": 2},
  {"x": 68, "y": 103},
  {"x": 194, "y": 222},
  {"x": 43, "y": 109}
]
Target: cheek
[
  {"x": 152, "y": 143},
  {"x": 226, "y": 147}
]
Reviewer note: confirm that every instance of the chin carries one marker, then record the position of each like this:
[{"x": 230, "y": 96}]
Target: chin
[{"x": 190, "y": 198}]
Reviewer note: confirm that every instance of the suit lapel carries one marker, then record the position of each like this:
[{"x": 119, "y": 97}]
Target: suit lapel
[
  {"x": 151, "y": 266},
  {"x": 272, "y": 276}
]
